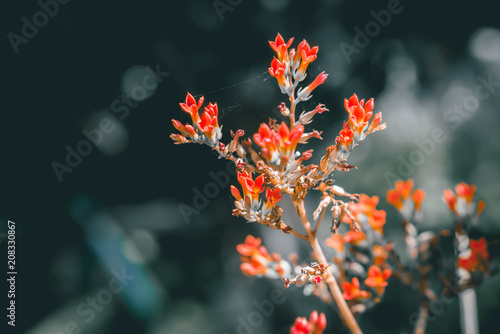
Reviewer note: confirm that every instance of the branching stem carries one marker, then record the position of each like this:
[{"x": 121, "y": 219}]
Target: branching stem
[{"x": 345, "y": 312}]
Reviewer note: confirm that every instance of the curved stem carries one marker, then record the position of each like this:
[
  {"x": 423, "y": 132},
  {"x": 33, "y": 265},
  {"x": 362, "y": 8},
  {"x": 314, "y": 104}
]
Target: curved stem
[
  {"x": 319, "y": 221},
  {"x": 330, "y": 280},
  {"x": 297, "y": 234}
]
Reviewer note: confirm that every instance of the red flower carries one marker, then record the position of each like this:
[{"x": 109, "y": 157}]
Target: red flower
[
  {"x": 304, "y": 93},
  {"x": 418, "y": 197},
  {"x": 352, "y": 291},
  {"x": 480, "y": 208},
  {"x": 346, "y": 137},
  {"x": 250, "y": 246},
  {"x": 377, "y": 220},
  {"x": 191, "y": 107},
  {"x": 301, "y": 326},
  {"x": 254, "y": 256},
  {"x": 367, "y": 206},
  {"x": 450, "y": 199},
  {"x": 276, "y": 145},
  {"x": 478, "y": 258},
  {"x": 336, "y": 242},
  {"x": 207, "y": 127},
  {"x": 236, "y": 193},
  {"x": 375, "y": 125},
  {"x": 465, "y": 191},
  {"x": 280, "y": 47},
  {"x": 277, "y": 70},
  {"x": 403, "y": 191},
  {"x": 354, "y": 237},
  {"x": 404, "y": 188},
  {"x": 289, "y": 138},
  {"x": 254, "y": 266},
  {"x": 208, "y": 122},
  {"x": 273, "y": 196},
  {"x": 267, "y": 139},
  {"x": 186, "y": 130},
  {"x": 480, "y": 248},
  {"x": 394, "y": 199},
  {"x": 364, "y": 205},
  {"x": 378, "y": 278},
  {"x": 306, "y": 54},
  {"x": 359, "y": 114},
  {"x": 251, "y": 188},
  {"x": 379, "y": 254},
  {"x": 315, "y": 325}
]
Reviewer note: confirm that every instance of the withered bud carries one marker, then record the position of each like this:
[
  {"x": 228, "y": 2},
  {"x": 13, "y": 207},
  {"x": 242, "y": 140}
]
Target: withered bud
[
  {"x": 246, "y": 143},
  {"x": 240, "y": 152},
  {"x": 336, "y": 190},
  {"x": 284, "y": 109},
  {"x": 273, "y": 124},
  {"x": 307, "y": 155},
  {"x": 306, "y": 136},
  {"x": 234, "y": 144},
  {"x": 321, "y": 206},
  {"x": 254, "y": 155},
  {"x": 323, "y": 165},
  {"x": 285, "y": 228},
  {"x": 240, "y": 165},
  {"x": 358, "y": 308},
  {"x": 306, "y": 117},
  {"x": 346, "y": 167},
  {"x": 179, "y": 139},
  {"x": 320, "y": 108},
  {"x": 338, "y": 213}
]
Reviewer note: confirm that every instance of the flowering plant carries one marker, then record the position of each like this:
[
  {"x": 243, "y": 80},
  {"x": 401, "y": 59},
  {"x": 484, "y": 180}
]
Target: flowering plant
[{"x": 271, "y": 165}]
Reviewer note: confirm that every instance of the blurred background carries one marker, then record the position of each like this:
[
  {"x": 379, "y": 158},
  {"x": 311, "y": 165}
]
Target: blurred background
[{"x": 96, "y": 186}]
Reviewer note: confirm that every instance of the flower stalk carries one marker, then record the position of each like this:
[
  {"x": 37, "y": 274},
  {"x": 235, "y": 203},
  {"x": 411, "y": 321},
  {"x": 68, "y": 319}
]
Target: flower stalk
[{"x": 335, "y": 291}]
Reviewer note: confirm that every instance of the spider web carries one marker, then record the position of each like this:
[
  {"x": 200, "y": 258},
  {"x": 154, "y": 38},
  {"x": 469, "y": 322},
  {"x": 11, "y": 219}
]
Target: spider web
[{"x": 233, "y": 95}]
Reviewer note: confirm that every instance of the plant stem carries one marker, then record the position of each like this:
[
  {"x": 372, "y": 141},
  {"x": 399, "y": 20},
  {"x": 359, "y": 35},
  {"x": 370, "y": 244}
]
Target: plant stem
[
  {"x": 422, "y": 320},
  {"x": 468, "y": 311},
  {"x": 319, "y": 221},
  {"x": 297, "y": 234},
  {"x": 345, "y": 312}
]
